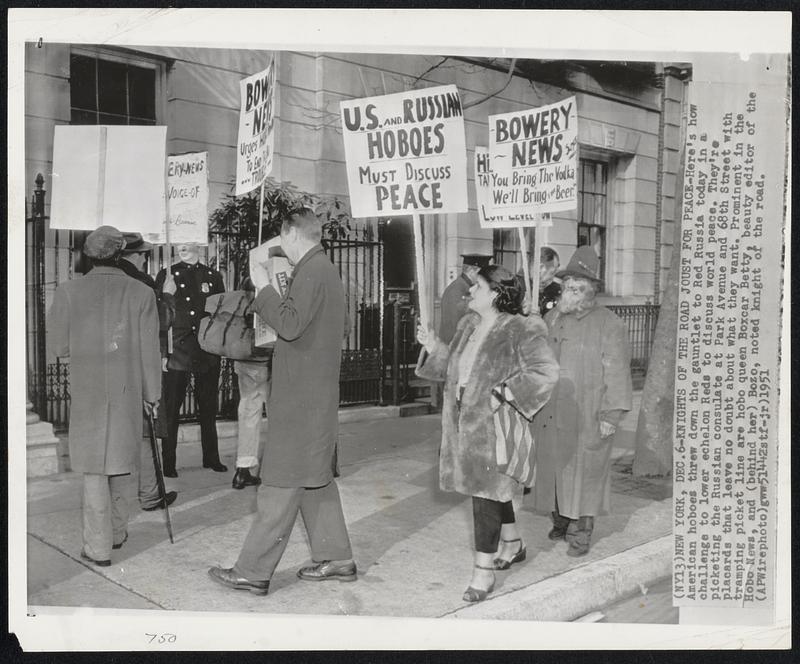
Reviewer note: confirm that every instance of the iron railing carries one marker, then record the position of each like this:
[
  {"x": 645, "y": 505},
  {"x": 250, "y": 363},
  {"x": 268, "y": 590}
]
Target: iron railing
[{"x": 641, "y": 320}]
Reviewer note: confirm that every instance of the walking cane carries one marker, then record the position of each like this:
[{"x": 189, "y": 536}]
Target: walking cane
[{"x": 159, "y": 474}]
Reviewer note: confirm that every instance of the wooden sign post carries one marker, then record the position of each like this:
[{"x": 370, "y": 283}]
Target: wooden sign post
[{"x": 422, "y": 287}]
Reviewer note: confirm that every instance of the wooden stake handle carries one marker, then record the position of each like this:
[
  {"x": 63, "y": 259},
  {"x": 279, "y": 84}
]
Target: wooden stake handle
[{"x": 422, "y": 290}]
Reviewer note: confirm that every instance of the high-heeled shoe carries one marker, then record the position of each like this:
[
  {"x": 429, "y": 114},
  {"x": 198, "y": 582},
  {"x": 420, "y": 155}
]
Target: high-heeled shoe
[
  {"x": 478, "y": 594},
  {"x": 519, "y": 556}
]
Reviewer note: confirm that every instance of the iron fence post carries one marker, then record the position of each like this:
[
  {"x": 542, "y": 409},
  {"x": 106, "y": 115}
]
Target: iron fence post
[
  {"x": 396, "y": 353},
  {"x": 37, "y": 253}
]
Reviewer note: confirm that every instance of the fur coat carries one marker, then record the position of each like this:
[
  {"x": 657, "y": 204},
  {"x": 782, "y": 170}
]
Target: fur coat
[{"x": 514, "y": 352}]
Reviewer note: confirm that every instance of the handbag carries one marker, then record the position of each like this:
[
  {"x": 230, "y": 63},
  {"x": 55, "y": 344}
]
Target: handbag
[
  {"x": 227, "y": 331},
  {"x": 515, "y": 448}
]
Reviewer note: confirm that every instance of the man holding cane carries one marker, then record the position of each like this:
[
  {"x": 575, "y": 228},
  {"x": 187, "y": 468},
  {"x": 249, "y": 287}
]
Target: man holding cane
[{"x": 132, "y": 263}]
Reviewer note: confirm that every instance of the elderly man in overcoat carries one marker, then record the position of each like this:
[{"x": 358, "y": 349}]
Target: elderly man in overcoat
[
  {"x": 575, "y": 430},
  {"x": 302, "y": 427},
  {"x": 107, "y": 324}
]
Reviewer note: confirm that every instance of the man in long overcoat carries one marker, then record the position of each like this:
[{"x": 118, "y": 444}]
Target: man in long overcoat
[
  {"x": 107, "y": 324},
  {"x": 302, "y": 427},
  {"x": 575, "y": 430},
  {"x": 132, "y": 263}
]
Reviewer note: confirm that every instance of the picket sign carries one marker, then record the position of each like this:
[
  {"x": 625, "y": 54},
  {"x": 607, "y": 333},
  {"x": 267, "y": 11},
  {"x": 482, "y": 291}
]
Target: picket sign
[
  {"x": 405, "y": 154},
  {"x": 93, "y": 182}
]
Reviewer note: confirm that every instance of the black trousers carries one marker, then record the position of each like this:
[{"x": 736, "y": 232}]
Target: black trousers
[
  {"x": 206, "y": 391},
  {"x": 488, "y": 516}
]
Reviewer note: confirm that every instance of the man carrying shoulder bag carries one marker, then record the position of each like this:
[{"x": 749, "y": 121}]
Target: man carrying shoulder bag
[{"x": 228, "y": 332}]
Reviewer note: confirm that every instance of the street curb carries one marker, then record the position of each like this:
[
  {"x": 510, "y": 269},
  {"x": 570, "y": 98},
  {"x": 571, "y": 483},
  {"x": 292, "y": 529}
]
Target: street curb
[{"x": 579, "y": 591}]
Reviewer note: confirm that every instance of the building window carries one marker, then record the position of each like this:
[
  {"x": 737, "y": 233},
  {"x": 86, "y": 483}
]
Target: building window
[
  {"x": 593, "y": 208},
  {"x": 111, "y": 92},
  {"x": 505, "y": 247}
]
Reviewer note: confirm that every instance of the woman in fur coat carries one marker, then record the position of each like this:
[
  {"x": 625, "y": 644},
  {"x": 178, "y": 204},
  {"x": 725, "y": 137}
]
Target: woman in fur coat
[{"x": 493, "y": 348}]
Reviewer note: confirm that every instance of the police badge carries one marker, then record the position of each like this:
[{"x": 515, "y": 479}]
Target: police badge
[{"x": 204, "y": 287}]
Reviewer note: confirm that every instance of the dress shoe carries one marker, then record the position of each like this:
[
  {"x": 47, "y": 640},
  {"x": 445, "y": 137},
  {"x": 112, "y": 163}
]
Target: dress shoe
[
  {"x": 99, "y": 563},
  {"x": 163, "y": 502},
  {"x": 518, "y": 557},
  {"x": 478, "y": 594},
  {"x": 228, "y": 577},
  {"x": 329, "y": 570},
  {"x": 124, "y": 539},
  {"x": 170, "y": 473},
  {"x": 217, "y": 467},
  {"x": 243, "y": 478}
]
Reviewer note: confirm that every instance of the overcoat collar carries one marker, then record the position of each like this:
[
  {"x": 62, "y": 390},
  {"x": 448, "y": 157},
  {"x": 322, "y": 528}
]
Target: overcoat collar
[
  {"x": 182, "y": 265},
  {"x": 585, "y": 312},
  {"x": 577, "y": 314},
  {"x": 106, "y": 269},
  {"x": 317, "y": 248}
]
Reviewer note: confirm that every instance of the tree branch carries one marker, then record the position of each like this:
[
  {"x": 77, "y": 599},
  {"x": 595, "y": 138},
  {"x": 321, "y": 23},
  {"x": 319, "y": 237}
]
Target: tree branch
[
  {"x": 509, "y": 76},
  {"x": 429, "y": 70}
]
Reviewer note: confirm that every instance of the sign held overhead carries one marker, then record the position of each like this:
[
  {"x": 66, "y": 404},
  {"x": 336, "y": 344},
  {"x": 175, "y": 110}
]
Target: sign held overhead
[
  {"x": 534, "y": 158},
  {"x": 187, "y": 200},
  {"x": 108, "y": 175},
  {"x": 256, "y": 142},
  {"x": 406, "y": 153}
]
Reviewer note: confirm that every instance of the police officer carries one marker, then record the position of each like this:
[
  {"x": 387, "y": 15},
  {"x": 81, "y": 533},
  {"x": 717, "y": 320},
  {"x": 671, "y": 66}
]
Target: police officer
[
  {"x": 193, "y": 282},
  {"x": 456, "y": 295}
]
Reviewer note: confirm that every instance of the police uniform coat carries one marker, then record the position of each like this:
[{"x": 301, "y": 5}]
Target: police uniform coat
[
  {"x": 303, "y": 406},
  {"x": 514, "y": 352},
  {"x": 194, "y": 284},
  {"x": 453, "y": 307},
  {"x": 107, "y": 324},
  {"x": 594, "y": 383}
]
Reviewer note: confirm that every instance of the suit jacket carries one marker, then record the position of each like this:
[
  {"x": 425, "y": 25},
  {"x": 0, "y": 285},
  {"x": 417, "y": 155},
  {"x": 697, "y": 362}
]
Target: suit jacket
[
  {"x": 194, "y": 283},
  {"x": 107, "y": 324},
  {"x": 303, "y": 407}
]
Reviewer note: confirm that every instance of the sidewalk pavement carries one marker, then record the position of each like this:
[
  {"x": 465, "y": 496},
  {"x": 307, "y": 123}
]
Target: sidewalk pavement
[{"x": 412, "y": 542}]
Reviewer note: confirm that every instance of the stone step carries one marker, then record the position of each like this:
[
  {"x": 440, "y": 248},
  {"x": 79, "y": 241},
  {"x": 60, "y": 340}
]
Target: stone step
[
  {"x": 415, "y": 408},
  {"x": 42, "y": 449}
]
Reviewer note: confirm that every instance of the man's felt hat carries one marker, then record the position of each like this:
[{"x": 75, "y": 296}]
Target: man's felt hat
[
  {"x": 103, "y": 242},
  {"x": 477, "y": 260},
  {"x": 135, "y": 243},
  {"x": 584, "y": 264}
]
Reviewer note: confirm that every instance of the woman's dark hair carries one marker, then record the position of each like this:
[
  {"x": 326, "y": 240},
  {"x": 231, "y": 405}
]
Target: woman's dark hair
[{"x": 508, "y": 286}]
